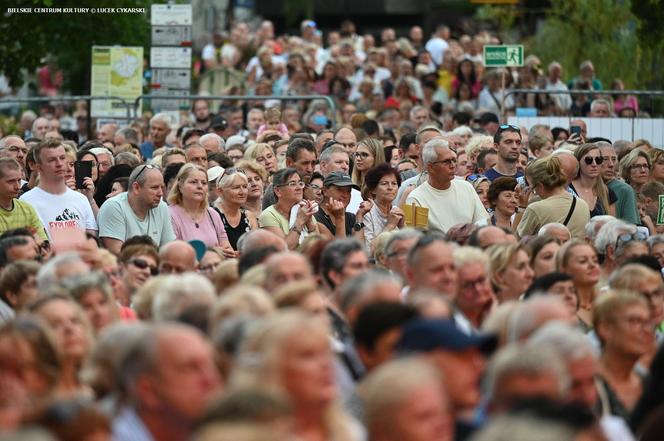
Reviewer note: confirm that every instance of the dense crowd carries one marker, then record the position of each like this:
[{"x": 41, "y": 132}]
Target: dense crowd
[{"x": 251, "y": 273}]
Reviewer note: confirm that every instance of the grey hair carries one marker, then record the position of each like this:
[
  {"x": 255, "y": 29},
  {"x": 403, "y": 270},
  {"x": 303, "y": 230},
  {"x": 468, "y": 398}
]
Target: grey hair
[
  {"x": 326, "y": 155},
  {"x": 429, "y": 150},
  {"x": 127, "y": 158},
  {"x": 415, "y": 109},
  {"x": 595, "y": 223},
  {"x": 355, "y": 290},
  {"x": 179, "y": 294},
  {"x": 334, "y": 256},
  {"x": 569, "y": 344},
  {"x": 47, "y": 276},
  {"x": 161, "y": 117},
  {"x": 466, "y": 255},
  {"x": 551, "y": 225},
  {"x": 608, "y": 234},
  {"x": 399, "y": 235},
  {"x": 80, "y": 284},
  {"x": 428, "y": 128},
  {"x": 524, "y": 360},
  {"x": 655, "y": 240},
  {"x": 102, "y": 151},
  {"x": 220, "y": 141},
  {"x": 130, "y": 135},
  {"x": 528, "y": 315},
  {"x": 598, "y": 102},
  {"x": 462, "y": 130},
  {"x": 139, "y": 357}
]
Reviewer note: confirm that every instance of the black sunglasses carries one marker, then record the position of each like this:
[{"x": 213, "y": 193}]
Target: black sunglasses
[
  {"x": 589, "y": 160},
  {"x": 142, "y": 264},
  {"x": 146, "y": 166}
]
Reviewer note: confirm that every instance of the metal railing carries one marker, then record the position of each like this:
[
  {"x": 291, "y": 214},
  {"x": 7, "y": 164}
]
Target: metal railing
[
  {"x": 327, "y": 99},
  {"x": 650, "y": 93}
]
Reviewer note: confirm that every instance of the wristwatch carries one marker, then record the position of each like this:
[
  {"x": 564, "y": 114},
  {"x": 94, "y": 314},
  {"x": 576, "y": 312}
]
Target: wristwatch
[{"x": 358, "y": 226}]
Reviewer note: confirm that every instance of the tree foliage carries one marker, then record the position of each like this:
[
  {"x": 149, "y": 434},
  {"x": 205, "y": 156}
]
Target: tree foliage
[
  {"x": 26, "y": 39},
  {"x": 603, "y": 31}
]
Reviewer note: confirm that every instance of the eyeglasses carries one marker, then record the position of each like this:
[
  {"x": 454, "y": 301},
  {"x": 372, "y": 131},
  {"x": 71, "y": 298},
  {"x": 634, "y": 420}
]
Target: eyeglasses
[
  {"x": 293, "y": 184},
  {"x": 231, "y": 171},
  {"x": 145, "y": 167},
  {"x": 362, "y": 155},
  {"x": 624, "y": 238},
  {"x": 640, "y": 167},
  {"x": 471, "y": 284},
  {"x": 634, "y": 321},
  {"x": 448, "y": 162},
  {"x": 652, "y": 296},
  {"x": 589, "y": 160},
  {"x": 143, "y": 264},
  {"x": 315, "y": 187}
]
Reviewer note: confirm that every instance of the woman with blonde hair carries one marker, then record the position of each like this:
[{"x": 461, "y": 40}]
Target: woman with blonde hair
[
  {"x": 93, "y": 293},
  {"x": 257, "y": 177},
  {"x": 263, "y": 154},
  {"x": 233, "y": 189},
  {"x": 191, "y": 216},
  {"x": 588, "y": 183},
  {"x": 635, "y": 169},
  {"x": 476, "y": 144},
  {"x": 368, "y": 154},
  {"x": 290, "y": 354},
  {"x": 647, "y": 282},
  {"x": 511, "y": 274},
  {"x": 624, "y": 328},
  {"x": 579, "y": 259},
  {"x": 549, "y": 182}
]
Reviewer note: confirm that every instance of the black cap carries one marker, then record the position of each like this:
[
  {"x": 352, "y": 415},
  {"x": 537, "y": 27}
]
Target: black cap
[
  {"x": 489, "y": 117},
  {"x": 218, "y": 123},
  {"x": 425, "y": 335},
  {"x": 340, "y": 179}
]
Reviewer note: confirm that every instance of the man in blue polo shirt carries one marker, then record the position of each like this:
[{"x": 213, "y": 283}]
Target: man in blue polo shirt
[{"x": 507, "y": 142}]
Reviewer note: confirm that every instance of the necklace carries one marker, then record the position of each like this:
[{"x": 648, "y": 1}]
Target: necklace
[{"x": 194, "y": 219}]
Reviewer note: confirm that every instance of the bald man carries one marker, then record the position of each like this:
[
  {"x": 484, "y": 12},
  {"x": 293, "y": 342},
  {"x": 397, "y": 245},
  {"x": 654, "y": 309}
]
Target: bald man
[
  {"x": 177, "y": 257},
  {"x": 286, "y": 267}
]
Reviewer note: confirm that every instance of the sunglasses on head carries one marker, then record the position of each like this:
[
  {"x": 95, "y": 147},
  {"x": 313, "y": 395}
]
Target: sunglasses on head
[
  {"x": 509, "y": 127},
  {"x": 143, "y": 264},
  {"x": 589, "y": 160}
]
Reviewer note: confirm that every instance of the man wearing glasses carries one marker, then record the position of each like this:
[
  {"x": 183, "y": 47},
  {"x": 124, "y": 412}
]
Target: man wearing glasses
[
  {"x": 507, "y": 142},
  {"x": 138, "y": 211},
  {"x": 450, "y": 201}
]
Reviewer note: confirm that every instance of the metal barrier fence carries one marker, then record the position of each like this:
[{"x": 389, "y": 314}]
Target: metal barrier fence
[
  {"x": 651, "y": 93},
  {"x": 191, "y": 98}
]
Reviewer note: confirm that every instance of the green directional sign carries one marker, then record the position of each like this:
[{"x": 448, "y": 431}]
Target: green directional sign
[
  {"x": 503, "y": 55},
  {"x": 660, "y": 210}
]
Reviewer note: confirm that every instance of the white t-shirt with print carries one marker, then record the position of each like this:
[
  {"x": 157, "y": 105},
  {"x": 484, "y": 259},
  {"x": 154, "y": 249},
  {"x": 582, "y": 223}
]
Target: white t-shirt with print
[{"x": 67, "y": 210}]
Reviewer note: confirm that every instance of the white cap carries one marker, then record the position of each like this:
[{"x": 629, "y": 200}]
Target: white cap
[{"x": 214, "y": 172}]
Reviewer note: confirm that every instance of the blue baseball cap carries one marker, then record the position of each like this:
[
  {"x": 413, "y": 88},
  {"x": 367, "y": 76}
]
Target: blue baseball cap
[{"x": 425, "y": 335}]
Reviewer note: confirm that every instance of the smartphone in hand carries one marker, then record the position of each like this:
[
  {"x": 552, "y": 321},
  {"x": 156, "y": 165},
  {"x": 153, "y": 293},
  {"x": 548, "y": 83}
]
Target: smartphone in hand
[{"x": 82, "y": 170}]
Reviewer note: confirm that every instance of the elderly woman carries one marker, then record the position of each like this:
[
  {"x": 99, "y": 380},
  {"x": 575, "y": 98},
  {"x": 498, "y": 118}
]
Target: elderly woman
[
  {"x": 262, "y": 153},
  {"x": 549, "y": 182},
  {"x": 511, "y": 273},
  {"x": 647, "y": 282},
  {"x": 233, "y": 189},
  {"x": 579, "y": 259},
  {"x": 72, "y": 334},
  {"x": 257, "y": 176},
  {"x": 504, "y": 202},
  {"x": 291, "y": 218},
  {"x": 290, "y": 353},
  {"x": 381, "y": 185},
  {"x": 481, "y": 185},
  {"x": 93, "y": 293},
  {"x": 588, "y": 183},
  {"x": 368, "y": 154},
  {"x": 191, "y": 216},
  {"x": 635, "y": 169},
  {"x": 624, "y": 327}
]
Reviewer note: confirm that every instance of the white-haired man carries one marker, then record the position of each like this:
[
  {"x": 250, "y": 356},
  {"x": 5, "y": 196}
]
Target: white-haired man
[
  {"x": 212, "y": 143},
  {"x": 450, "y": 201},
  {"x": 160, "y": 127}
]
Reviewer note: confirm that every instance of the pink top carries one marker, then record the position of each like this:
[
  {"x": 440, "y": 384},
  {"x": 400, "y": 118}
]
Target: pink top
[{"x": 210, "y": 229}]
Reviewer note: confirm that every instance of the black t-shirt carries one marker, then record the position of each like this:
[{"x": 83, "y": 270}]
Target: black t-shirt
[{"x": 323, "y": 218}]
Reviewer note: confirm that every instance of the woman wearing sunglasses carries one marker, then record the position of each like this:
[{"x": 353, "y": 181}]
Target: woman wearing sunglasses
[
  {"x": 589, "y": 184},
  {"x": 291, "y": 217},
  {"x": 233, "y": 189},
  {"x": 191, "y": 216}
]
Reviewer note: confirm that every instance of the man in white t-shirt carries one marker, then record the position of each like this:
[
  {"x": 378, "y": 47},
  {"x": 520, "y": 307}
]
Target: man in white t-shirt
[
  {"x": 140, "y": 211},
  {"x": 450, "y": 201},
  {"x": 57, "y": 205},
  {"x": 437, "y": 45}
]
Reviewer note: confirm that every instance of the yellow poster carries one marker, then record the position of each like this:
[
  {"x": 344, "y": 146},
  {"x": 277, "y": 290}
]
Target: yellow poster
[{"x": 116, "y": 71}]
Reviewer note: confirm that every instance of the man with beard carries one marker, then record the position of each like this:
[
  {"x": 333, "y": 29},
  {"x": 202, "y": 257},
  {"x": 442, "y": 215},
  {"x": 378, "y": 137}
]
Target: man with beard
[
  {"x": 138, "y": 211},
  {"x": 202, "y": 114},
  {"x": 507, "y": 142}
]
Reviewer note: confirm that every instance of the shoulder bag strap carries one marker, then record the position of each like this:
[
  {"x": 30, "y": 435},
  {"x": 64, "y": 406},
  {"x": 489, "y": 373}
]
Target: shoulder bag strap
[{"x": 571, "y": 211}]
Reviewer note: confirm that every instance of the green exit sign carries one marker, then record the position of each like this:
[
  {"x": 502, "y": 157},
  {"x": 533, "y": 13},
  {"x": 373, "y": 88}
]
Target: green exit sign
[{"x": 503, "y": 55}]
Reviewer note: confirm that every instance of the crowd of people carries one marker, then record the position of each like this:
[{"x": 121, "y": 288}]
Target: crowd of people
[{"x": 254, "y": 274}]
